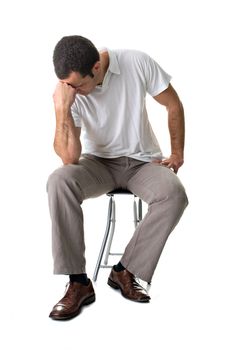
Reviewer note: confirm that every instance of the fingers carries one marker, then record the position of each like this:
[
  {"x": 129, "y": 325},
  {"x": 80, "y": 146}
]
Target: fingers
[
  {"x": 174, "y": 162},
  {"x": 157, "y": 161},
  {"x": 170, "y": 166},
  {"x": 64, "y": 95},
  {"x": 174, "y": 166}
]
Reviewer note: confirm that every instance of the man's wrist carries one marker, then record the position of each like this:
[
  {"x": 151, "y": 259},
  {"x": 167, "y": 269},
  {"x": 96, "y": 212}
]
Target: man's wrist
[
  {"x": 63, "y": 114},
  {"x": 62, "y": 108},
  {"x": 178, "y": 153}
]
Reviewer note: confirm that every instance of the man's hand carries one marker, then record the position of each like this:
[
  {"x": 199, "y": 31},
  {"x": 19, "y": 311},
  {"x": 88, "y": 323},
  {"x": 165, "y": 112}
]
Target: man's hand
[
  {"x": 174, "y": 162},
  {"x": 64, "y": 96}
]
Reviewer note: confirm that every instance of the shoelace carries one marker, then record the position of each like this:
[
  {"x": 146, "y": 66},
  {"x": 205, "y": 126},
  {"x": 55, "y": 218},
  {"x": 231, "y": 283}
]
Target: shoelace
[
  {"x": 148, "y": 285},
  {"x": 68, "y": 290},
  {"x": 136, "y": 285}
]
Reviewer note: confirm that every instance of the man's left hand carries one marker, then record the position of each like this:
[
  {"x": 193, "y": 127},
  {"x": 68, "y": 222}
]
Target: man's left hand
[{"x": 174, "y": 162}]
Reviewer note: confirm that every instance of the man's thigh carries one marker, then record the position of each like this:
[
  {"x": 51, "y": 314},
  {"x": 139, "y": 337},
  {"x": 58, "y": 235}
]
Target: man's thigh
[
  {"x": 89, "y": 177},
  {"x": 154, "y": 182}
]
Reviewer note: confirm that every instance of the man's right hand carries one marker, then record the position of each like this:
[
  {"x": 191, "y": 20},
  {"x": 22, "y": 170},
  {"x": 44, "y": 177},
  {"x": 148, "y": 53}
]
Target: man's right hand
[{"x": 64, "y": 96}]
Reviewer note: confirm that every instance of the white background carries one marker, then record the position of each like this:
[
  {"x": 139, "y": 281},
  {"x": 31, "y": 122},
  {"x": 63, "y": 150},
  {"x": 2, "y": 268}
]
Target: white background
[{"x": 192, "y": 288}]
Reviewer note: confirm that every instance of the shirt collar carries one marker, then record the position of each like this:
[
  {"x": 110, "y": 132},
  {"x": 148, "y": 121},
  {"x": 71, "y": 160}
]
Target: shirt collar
[
  {"x": 113, "y": 68},
  {"x": 113, "y": 62}
]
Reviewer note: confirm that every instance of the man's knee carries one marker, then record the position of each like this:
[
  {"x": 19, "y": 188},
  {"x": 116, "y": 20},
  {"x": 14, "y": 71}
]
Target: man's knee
[
  {"x": 62, "y": 180},
  {"x": 170, "y": 189},
  {"x": 56, "y": 179},
  {"x": 176, "y": 193}
]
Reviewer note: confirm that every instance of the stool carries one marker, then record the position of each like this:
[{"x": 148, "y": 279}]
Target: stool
[{"x": 110, "y": 227}]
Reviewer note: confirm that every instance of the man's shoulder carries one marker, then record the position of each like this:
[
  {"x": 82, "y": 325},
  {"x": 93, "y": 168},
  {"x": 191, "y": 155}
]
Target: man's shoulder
[
  {"x": 129, "y": 53},
  {"x": 131, "y": 57}
]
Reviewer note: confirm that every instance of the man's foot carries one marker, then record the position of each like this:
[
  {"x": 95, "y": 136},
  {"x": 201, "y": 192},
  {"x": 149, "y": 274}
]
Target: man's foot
[
  {"x": 129, "y": 287},
  {"x": 76, "y": 296}
]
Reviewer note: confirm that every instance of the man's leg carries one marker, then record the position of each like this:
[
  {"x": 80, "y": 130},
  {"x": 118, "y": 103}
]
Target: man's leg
[
  {"x": 67, "y": 187},
  {"x": 162, "y": 190}
]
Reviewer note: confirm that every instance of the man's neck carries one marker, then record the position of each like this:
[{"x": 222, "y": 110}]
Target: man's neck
[{"x": 104, "y": 61}]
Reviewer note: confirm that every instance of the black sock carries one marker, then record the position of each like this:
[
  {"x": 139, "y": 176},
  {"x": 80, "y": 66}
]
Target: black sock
[
  {"x": 80, "y": 278},
  {"x": 119, "y": 267}
]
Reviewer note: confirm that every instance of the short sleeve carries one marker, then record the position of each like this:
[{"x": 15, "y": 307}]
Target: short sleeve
[
  {"x": 76, "y": 115},
  {"x": 157, "y": 80}
]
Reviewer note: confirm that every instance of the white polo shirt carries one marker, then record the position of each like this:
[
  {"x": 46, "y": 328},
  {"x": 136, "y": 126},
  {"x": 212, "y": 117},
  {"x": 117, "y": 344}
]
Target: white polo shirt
[{"x": 113, "y": 117}]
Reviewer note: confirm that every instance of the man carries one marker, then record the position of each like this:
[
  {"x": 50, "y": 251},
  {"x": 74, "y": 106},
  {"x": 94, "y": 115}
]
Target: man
[{"x": 103, "y": 94}]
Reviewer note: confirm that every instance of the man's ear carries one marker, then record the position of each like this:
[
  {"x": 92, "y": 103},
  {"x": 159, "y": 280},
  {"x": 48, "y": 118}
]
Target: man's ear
[{"x": 96, "y": 67}]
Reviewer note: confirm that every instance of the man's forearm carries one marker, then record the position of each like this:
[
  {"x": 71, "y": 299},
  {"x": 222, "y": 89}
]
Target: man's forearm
[
  {"x": 66, "y": 144},
  {"x": 176, "y": 126}
]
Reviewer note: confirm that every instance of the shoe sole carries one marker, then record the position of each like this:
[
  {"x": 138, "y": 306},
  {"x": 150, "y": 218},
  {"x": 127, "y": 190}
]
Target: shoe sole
[
  {"x": 87, "y": 301},
  {"x": 114, "y": 285}
]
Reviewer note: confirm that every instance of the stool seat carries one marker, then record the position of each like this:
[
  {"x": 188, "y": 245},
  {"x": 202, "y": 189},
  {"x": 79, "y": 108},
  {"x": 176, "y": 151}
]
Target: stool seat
[{"x": 119, "y": 191}]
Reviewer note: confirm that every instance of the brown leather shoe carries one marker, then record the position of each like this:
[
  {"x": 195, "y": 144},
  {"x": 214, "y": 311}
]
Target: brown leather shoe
[
  {"x": 76, "y": 296},
  {"x": 130, "y": 288}
]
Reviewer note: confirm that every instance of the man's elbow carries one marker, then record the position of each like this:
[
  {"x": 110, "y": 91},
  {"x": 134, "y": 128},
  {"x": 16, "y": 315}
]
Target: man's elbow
[
  {"x": 176, "y": 107},
  {"x": 70, "y": 158},
  {"x": 67, "y": 160},
  {"x": 66, "y": 157}
]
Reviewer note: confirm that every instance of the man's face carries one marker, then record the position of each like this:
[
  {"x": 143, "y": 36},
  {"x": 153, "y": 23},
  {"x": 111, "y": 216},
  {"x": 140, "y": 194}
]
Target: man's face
[{"x": 84, "y": 86}]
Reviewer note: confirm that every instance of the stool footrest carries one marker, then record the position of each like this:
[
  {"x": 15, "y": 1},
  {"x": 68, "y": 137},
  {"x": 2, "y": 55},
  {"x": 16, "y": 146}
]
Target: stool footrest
[{"x": 115, "y": 253}]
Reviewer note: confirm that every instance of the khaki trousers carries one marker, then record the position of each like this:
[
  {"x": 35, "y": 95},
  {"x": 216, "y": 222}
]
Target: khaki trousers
[{"x": 71, "y": 184}]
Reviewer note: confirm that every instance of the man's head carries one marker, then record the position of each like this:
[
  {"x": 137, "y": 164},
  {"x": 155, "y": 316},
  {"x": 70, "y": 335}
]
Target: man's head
[{"x": 77, "y": 63}]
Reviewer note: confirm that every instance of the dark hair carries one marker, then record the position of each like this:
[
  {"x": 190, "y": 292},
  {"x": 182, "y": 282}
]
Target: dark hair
[{"x": 74, "y": 54}]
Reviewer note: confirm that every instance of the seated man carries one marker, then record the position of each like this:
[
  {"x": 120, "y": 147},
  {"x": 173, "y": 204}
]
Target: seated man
[{"x": 103, "y": 95}]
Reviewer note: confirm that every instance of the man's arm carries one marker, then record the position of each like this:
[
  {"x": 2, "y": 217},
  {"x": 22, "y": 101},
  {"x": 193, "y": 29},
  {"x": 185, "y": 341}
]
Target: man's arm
[
  {"x": 176, "y": 125},
  {"x": 67, "y": 143}
]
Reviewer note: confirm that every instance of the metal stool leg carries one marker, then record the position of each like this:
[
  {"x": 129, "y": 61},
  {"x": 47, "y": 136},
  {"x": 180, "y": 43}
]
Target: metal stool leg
[
  {"x": 139, "y": 209},
  {"x": 113, "y": 221},
  {"x": 135, "y": 214},
  {"x": 104, "y": 240},
  {"x": 139, "y": 218}
]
